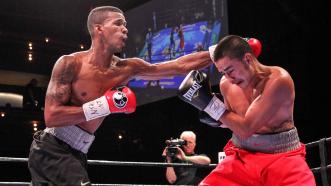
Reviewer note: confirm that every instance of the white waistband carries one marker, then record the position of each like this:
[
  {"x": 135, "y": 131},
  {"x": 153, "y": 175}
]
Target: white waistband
[{"x": 73, "y": 136}]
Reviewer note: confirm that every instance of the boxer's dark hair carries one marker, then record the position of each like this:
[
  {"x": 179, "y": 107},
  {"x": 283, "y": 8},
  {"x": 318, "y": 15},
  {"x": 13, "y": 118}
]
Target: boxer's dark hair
[
  {"x": 233, "y": 47},
  {"x": 99, "y": 15}
]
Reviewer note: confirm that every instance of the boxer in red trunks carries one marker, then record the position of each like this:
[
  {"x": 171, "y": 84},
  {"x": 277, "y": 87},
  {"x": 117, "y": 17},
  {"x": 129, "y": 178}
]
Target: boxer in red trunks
[{"x": 265, "y": 149}]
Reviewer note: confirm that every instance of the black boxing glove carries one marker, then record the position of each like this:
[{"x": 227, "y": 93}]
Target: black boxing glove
[
  {"x": 196, "y": 90},
  {"x": 206, "y": 119}
]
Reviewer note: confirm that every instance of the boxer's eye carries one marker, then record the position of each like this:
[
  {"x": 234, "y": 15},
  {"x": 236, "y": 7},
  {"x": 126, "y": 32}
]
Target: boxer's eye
[{"x": 229, "y": 72}]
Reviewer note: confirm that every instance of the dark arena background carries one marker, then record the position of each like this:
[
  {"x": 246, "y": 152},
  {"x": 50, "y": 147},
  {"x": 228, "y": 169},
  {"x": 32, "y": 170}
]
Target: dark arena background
[{"x": 35, "y": 33}]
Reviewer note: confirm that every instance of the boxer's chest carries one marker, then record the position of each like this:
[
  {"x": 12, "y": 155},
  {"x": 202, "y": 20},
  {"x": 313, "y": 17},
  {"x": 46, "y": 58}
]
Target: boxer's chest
[{"x": 92, "y": 84}]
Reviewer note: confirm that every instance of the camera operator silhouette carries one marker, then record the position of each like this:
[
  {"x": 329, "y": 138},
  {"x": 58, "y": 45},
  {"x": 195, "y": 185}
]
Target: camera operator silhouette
[{"x": 182, "y": 151}]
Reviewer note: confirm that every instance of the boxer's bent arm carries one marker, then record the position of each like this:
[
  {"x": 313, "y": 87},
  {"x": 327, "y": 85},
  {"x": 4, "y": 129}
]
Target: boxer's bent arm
[
  {"x": 57, "y": 113},
  {"x": 223, "y": 88},
  {"x": 181, "y": 65},
  {"x": 278, "y": 92}
]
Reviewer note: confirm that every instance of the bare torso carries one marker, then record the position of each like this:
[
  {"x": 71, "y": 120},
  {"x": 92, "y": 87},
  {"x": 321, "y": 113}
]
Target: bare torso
[
  {"x": 85, "y": 76},
  {"x": 91, "y": 82},
  {"x": 239, "y": 100}
]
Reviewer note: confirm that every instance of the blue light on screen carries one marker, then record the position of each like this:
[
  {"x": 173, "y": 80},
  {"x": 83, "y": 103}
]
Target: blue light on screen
[{"x": 199, "y": 34}]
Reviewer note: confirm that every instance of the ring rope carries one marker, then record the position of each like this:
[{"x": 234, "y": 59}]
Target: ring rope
[
  {"x": 121, "y": 163},
  {"x": 315, "y": 143},
  {"x": 145, "y": 164},
  {"x": 320, "y": 143}
]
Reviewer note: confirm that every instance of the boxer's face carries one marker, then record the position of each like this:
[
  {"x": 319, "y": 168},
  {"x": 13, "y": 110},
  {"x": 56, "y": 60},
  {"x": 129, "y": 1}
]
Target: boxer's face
[
  {"x": 113, "y": 31},
  {"x": 235, "y": 70}
]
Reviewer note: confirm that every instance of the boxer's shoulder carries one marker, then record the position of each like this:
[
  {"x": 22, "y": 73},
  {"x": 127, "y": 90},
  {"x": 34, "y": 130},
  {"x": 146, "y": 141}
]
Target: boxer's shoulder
[
  {"x": 67, "y": 65},
  {"x": 278, "y": 72},
  {"x": 117, "y": 61},
  {"x": 133, "y": 59},
  {"x": 135, "y": 63},
  {"x": 279, "y": 76},
  {"x": 72, "y": 59}
]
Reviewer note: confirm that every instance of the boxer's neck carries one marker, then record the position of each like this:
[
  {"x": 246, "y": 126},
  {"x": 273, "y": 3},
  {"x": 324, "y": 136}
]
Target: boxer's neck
[{"x": 100, "y": 56}]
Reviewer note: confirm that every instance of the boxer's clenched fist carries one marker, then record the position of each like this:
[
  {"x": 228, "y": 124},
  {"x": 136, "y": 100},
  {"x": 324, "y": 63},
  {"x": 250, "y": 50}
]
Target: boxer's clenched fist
[
  {"x": 119, "y": 100},
  {"x": 196, "y": 90}
]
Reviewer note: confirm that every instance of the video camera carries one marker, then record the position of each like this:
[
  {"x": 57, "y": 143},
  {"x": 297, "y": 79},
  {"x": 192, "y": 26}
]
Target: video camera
[{"x": 172, "y": 145}]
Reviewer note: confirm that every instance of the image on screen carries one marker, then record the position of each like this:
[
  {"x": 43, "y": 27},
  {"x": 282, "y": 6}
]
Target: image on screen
[{"x": 160, "y": 31}]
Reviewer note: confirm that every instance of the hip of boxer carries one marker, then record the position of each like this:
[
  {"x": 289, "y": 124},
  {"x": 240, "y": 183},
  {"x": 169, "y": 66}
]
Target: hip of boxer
[
  {"x": 269, "y": 143},
  {"x": 74, "y": 136}
]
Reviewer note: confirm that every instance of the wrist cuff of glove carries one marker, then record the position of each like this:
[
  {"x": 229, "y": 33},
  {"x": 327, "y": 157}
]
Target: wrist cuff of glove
[
  {"x": 96, "y": 108},
  {"x": 215, "y": 108},
  {"x": 211, "y": 50}
]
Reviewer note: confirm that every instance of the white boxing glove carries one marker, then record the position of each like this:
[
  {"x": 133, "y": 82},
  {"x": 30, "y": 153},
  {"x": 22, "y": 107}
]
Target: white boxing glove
[{"x": 211, "y": 50}]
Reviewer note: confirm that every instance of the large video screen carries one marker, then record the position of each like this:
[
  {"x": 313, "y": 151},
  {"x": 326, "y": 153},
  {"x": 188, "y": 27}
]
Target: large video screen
[{"x": 164, "y": 30}]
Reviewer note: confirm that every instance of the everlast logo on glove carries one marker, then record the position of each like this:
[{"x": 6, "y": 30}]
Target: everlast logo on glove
[
  {"x": 191, "y": 91},
  {"x": 196, "y": 90},
  {"x": 193, "y": 87}
]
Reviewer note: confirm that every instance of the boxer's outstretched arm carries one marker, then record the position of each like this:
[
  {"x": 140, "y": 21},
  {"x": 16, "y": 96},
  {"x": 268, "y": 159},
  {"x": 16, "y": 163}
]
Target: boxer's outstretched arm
[
  {"x": 57, "y": 112},
  {"x": 179, "y": 66}
]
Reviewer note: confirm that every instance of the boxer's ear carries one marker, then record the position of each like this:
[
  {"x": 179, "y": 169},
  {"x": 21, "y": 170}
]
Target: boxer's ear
[
  {"x": 248, "y": 58},
  {"x": 98, "y": 28}
]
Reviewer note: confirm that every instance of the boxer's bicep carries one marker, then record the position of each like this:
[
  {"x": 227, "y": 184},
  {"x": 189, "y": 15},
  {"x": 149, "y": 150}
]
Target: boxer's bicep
[
  {"x": 59, "y": 88},
  {"x": 265, "y": 106},
  {"x": 147, "y": 71},
  {"x": 179, "y": 66}
]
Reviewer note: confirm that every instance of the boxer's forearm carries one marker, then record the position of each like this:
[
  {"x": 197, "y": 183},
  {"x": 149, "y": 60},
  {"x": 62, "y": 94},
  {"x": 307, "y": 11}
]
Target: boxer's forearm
[
  {"x": 179, "y": 66},
  {"x": 56, "y": 116},
  {"x": 239, "y": 125},
  {"x": 194, "y": 61}
]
